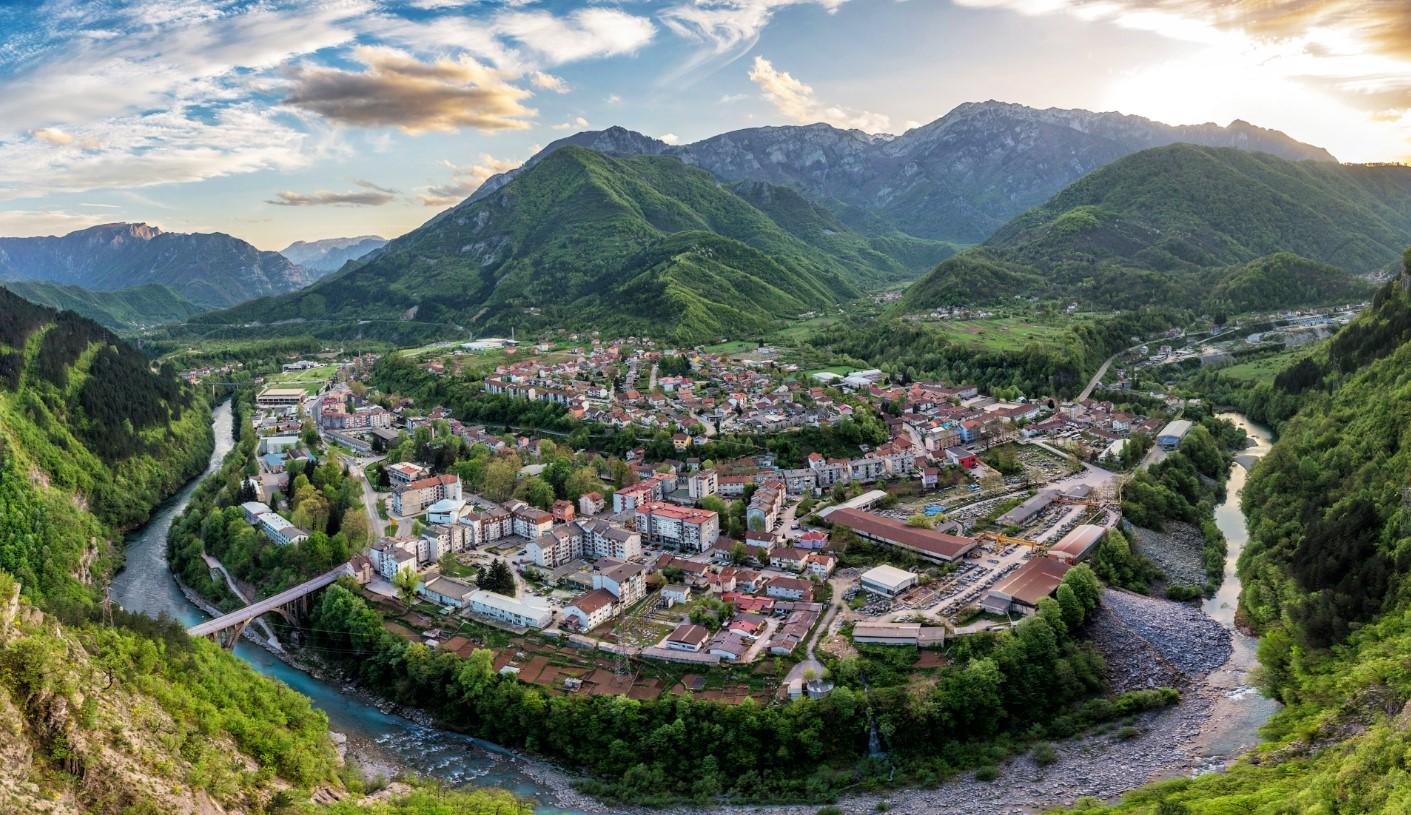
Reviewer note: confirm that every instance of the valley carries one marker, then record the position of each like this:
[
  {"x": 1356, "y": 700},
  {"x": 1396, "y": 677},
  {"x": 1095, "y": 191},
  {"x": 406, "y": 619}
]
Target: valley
[{"x": 1027, "y": 460}]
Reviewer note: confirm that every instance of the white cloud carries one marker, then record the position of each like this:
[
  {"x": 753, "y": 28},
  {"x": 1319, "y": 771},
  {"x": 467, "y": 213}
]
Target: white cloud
[
  {"x": 796, "y": 100},
  {"x": 613, "y": 99},
  {"x": 583, "y": 34},
  {"x": 465, "y": 179},
  {"x": 577, "y": 122},
  {"x": 27, "y": 222},
  {"x": 670, "y": 138},
  {"x": 726, "y": 29},
  {"x": 548, "y": 82},
  {"x": 53, "y": 135},
  {"x": 172, "y": 54},
  {"x": 172, "y": 145}
]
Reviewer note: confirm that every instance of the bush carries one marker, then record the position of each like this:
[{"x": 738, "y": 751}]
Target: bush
[
  {"x": 830, "y": 810},
  {"x": 1181, "y": 592},
  {"x": 1044, "y": 754},
  {"x": 989, "y": 772}
]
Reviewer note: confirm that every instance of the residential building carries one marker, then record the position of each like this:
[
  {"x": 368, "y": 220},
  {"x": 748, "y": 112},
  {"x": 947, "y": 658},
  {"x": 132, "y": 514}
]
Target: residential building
[
  {"x": 689, "y": 530},
  {"x": 588, "y": 538},
  {"x": 413, "y": 498},
  {"x": 702, "y": 483},
  {"x": 789, "y": 588},
  {"x": 591, "y": 504},
  {"x": 627, "y": 582},
  {"x": 590, "y": 610}
]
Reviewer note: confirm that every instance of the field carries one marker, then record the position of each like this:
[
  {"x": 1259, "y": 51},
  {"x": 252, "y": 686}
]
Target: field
[
  {"x": 310, "y": 380},
  {"x": 1004, "y": 333},
  {"x": 802, "y": 329},
  {"x": 1263, "y": 369},
  {"x": 732, "y": 347}
]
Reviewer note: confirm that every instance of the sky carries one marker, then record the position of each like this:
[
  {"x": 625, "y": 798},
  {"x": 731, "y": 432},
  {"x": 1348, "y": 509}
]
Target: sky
[{"x": 280, "y": 121}]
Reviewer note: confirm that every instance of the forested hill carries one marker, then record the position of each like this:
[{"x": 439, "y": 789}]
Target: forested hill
[
  {"x": 122, "y": 310},
  {"x": 1173, "y": 225},
  {"x": 91, "y": 438},
  {"x": 1327, "y": 585},
  {"x": 640, "y": 244}
]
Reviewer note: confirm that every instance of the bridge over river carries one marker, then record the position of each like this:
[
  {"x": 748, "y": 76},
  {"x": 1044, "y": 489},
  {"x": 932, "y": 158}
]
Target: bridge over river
[{"x": 290, "y": 604}]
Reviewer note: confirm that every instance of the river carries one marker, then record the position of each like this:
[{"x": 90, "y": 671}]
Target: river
[
  {"x": 1236, "y": 718},
  {"x": 376, "y": 740}
]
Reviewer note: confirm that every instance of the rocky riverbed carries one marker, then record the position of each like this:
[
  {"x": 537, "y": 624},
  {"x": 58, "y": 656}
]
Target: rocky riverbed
[{"x": 1178, "y": 551}]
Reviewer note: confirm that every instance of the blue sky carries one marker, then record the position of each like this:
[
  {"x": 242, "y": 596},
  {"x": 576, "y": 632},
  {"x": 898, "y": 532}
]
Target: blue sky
[{"x": 277, "y": 121}]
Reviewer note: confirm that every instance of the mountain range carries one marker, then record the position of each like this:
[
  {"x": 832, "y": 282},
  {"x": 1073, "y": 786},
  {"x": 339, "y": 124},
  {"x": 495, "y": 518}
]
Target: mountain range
[
  {"x": 1180, "y": 224},
  {"x": 628, "y": 243},
  {"x": 329, "y": 254},
  {"x": 958, "y": 178},
  {"x": 209, "y": 269}
]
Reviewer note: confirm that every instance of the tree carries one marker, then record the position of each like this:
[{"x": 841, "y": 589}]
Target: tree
[
  {"x": 355, "y": 526},
  {"x": 405, "y": 581},
  {"x": 535, "y": 491},
  {"x": 921, "y": 520},
  {"x": 500, "y": 477},
  {"x": 497, "y": 578}
]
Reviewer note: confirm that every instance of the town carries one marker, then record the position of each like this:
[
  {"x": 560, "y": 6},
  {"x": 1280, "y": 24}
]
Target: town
[{"x": 966, "y": 513}]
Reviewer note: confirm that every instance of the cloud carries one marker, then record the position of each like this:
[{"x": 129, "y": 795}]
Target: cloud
[
  {"x": 613, "y": 99},
  {"x": 26, "y": 222},
  {"x": 160, "y": 147},
  {"x": 576, "y": 122},
  {"x": 796, "y": 100},
  {"x": 465, "y": 179},
  {"x": 549, "y": 82},
  {"x": 53, "y": 135},
  {"x": 670, "y": 138},
  {"x": 583, "y": 34},
  {"x": 725, "y": 29},
  {"x": 371, "y": 195},
  {"x": 397, "y": 90}
]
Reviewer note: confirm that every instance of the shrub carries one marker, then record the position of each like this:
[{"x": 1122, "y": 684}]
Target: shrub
[
  {"x": 987, "y": 773},
  {"x": 1044, "y": 754}
]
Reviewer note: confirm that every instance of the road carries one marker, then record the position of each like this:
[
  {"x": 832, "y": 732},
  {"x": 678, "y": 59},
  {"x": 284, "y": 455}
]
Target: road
[
  {"x": 376, "y": 526},
  {"x": 1102, "y": 371}
]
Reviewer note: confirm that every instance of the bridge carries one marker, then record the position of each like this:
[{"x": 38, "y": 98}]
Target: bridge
[{"x": 290, "y": 604}]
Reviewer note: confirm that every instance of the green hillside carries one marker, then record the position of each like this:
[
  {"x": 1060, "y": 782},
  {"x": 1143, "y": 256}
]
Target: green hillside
[
  {"x": 122, "y": 310},
  {"x": 1175, "y": 225},
  {"x": 581, "y": 239},
  {"x": 1285, "y": 280},
  {"x": 1327, "y": 584}
]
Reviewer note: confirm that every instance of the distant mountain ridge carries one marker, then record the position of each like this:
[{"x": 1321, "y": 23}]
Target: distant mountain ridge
[
  {"x": 329, "y": 254},
  {"x": 210, "y": 269},
  {"x": 119, "y": 311},
  {"x": 641, "y": 244},
  {"x": 1185, "y": 225},
  {"x": 958, "y": 178}
]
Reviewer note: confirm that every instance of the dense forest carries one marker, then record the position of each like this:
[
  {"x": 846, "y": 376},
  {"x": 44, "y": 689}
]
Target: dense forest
[
  {"x": 91, "y": 438},
  {"x": 999, "y": 692}
]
